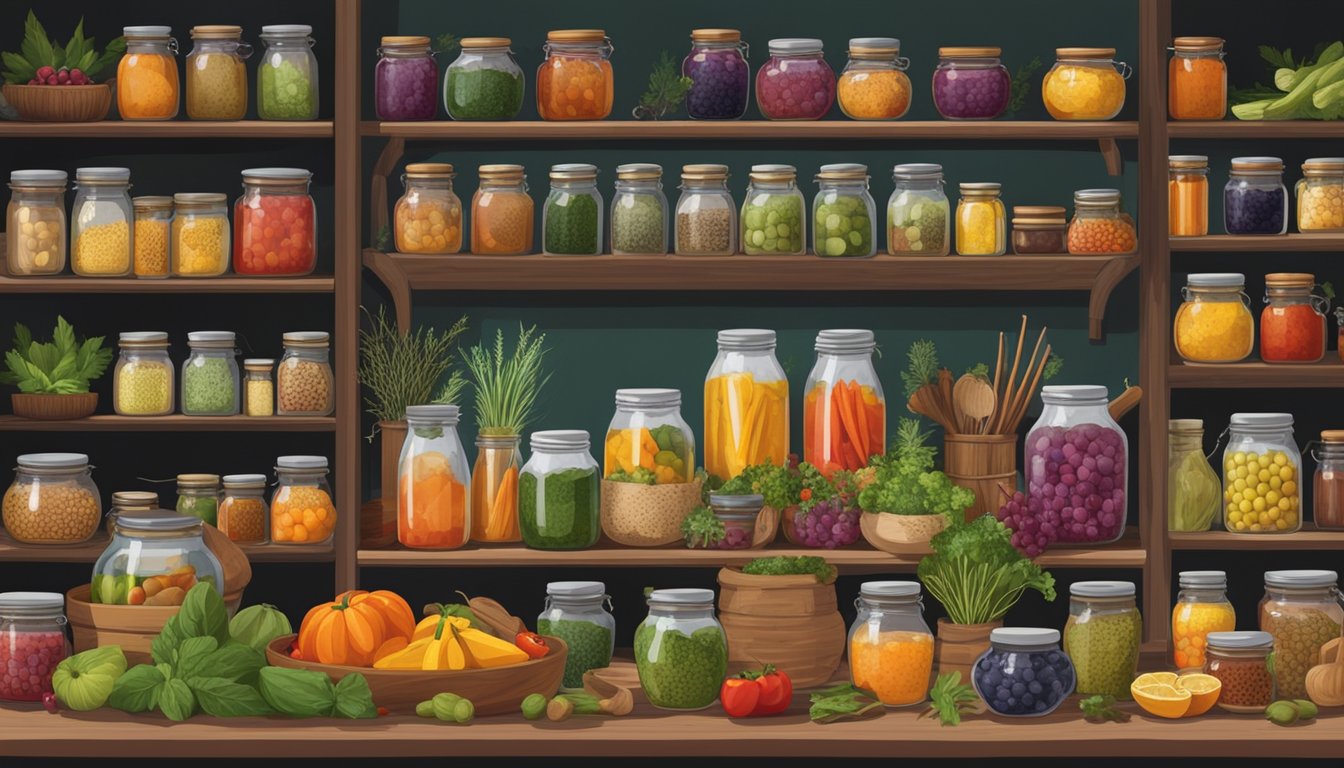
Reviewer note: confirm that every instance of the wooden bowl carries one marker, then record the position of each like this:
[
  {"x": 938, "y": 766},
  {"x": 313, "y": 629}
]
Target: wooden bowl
[
  {"x": 60, "y": 103},
  {"x": 133, "y": 627},
  {"x": 494, "y": 691},
  {"x": 54, "y": 407},
  {"x": 901, "y": 534}
]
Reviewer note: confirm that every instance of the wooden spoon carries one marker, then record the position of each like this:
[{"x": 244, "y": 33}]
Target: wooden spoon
[
  {"x": 1325, "y": 682},
  {"x": 975, "y": 401}
]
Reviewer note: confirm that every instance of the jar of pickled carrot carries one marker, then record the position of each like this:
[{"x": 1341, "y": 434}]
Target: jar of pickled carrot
[
  {"x": 428, "y": 217},
  {"x": 890, "y": 645},
  {"x": 501, "y": 212},
  {"x": 746, "y": 404},
  {"x": 1292, "y": 325},
  {"x": 147, "y": 85},
  {"x": 1188, "y": 195},
  {"x": 274, "y": 223},
  {"x": 575, "y": 80},
  {"x": 1098, "y": 225},
  {"x": 432, "y": 480},
  {"x": 1201, "y": 607},
  {"x": 1197, "y": 79},
  {"x": 494, "y": 487},
  {"x": 844, "y": 410}
]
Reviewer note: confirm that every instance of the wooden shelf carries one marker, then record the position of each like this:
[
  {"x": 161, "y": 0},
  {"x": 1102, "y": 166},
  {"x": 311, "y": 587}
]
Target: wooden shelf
[
  {"x": 1256, "y": 129},
  {"x": 1328, "y": 374},
  {"x": 129, "y": 285},
  {"x": 89, "y": 551},
  {"x": 1290, "y": 243},
  {"x": 174, "y": 129},
  {"x": 172, "y": 423},
  {"x": 1222, "y": 540}
]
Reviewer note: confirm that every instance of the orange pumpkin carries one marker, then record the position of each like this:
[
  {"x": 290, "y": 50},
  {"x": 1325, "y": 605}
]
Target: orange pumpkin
[
  {"x": 397, "y": 615},
  {"x": 348, "y": 630}
]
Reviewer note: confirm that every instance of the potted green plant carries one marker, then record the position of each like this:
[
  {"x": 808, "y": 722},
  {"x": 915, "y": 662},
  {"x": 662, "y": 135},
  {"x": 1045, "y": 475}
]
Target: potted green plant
[
  {"x": 905, "y": 501},
  {"x": 53, "y": 377},
  {"x": 48, "y": 81}
]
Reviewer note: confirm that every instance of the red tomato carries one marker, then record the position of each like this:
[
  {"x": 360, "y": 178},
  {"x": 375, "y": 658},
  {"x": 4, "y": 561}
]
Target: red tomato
[
  {"x": 739, "y": 697},
  {"x": 776, "y": 691},
  {"x": 533, "y": 645}
]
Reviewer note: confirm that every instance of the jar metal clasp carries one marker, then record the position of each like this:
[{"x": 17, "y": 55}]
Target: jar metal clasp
[{"x": 1125, "y": 70}]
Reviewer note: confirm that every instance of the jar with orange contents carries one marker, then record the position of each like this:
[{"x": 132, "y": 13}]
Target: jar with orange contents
[
  {"x": 1201, "y": 607},
  {"x": 242, "y": 512},
  {"x": 501, "y": 212},
  {"x": 428, "y": 217},
  {"x": 890, "y": 645},
  {"x": 1197, "y": 79},
  {"x": 274, "y": 228},
  {"x": 433, "y": 479},
  {"x": 575, "y": 80},
  {"x": 301, "y": 508},
  {"x": 873, "y": 85},
  {"x": 1098, "y": 226},
  {"x": 1292, "y": 325},
  {"x": 147, "y": 84},
  {"x": 1188, "y": 195}
]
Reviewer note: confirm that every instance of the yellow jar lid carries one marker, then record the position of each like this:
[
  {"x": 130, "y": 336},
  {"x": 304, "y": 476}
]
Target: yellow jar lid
[
  {"x": 1085, "y": 53},
  {"x": 500, "y": 172},
  {"x": 1038, "y": 223},
  {"x": 196, "y": 480},
  {"x": 576, "y": 35},
  {"x": 1197, "y": 44},
  {"x": 405, "y": 41},
  {"x": 969, "y": 52},
  {"x": 716, "y": 35},
  {"x": 1039, "y": 211},
  {"x": 429, "y": 170},
  {"x": 485, "y": 42},
  {"x": 1290, "y": 280},
  {"x": 216, "y": 32},
  {"x": 704, "y": 172},
  {"x": 1332, "y": 436},
  {"x": 152, "y": 203}
]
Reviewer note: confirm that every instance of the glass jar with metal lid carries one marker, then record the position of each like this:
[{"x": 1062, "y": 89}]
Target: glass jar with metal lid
[
  {"x": 720, "y": 76},
  {"x": 216, "y": 75},
  {"x": 571, "y": 220},
  {"x": 198, "y": 496},
  {"x": 873, "y": 85},
  {"x": 52, "y": 500},
  {"x": 142, "y": 381},
  {"x": 890, "y": 644},
  {"x": 484, "y": 82},
  {"x": 795, "y": 83},
  {"x": 1023, "y": 673},
  {"x": 1099, "y": 226},
  {"x": 648, "y": 440},
  {"x": 1188, "y": 195},
  {"x": 706, "y": 213},
  {"x": 258, "y": 386},
  {"x": 1085, "y": 84},
  {"x": 558, "y": 492},
  {"x": 681, "y": 650},
  {"x": 405, "y": 79},
  {"x": 981, "y": 220},
  {"x": 32, "y": 643},
  {"x": 276, "y": 223},
  {"x": 1255, "y": 201},
  {"x": 579, "y": 612},
  {"x": 200, "y": 240},
  {"x": 152, "y": 235},
  {"x": 574, "y": 82},
  {"x": 971, "y": 83},
  {"x": 738, "y": 514},
  {"x": 1240, "y": 661},
  {"x": 243, "y": 514},
  {"x": 1197, "y": 79},
  {"x": 100, "y": 223},
  {"x": 844, "y": 216},
  {"x": 210, "y": 382},
  {"x": 746, "y": 404},
  {"x": 1214, "y": 322},
  {"x": 147, "y": 84},
  {"x": 35, "y": 223},
  {"x": 1328, "y": 483},
  {"x": 428, "y": 217},
  {"x": 130, "y": 501},
  {"x": 844, "y": 410},
  {"x": 154, "y": 558},
  {"x": 773, "y": 222},
  {"x": 1193, "y": 488},
  {"x": 305, "y": 383},
  {"x": 1292, "y": 324},
  {"x": 501, "y": 212},
  {"x": 1040, "y": 229},
  {"x": 302, "y": 511},
  {"x": 433, "y": 481},
  {"x": 1302, "y": 610},
  {"x": 1262, "y": 475},
  {"x": 287, "y": 73},
  {"x": 1320, "y": 195},
  {"x": 1102, "y": 636},
  {"x": 639, "y": 210},
  {"x": 917, "y": 211},
  {"x": 1201, "y": 608}
]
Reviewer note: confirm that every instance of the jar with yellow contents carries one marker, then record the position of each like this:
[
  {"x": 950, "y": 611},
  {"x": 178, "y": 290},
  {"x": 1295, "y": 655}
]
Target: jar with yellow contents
[
  {"x": 1214, "y": 323},
  {"x": 258, "y": 386},
  {"x": 153, "y": 220},
  {"x": 428, "y": 217},
  {"x": 1320, "y": 195},
  {"x": 1201, "y": 607},
  {"x": 575, "y": 80},
  {"x": 873, "y": 85},
  {"x": 100, "y": 223},
  {"x": 1262, "y": 491},
  {"x": 982, "y": 221},
  {"x": 35, "y": 223},
  {"x": 302, "y": 511},
  {"x": 1085, "y": 84},
  {"x": 142, "y": 382},
  {"x": 200, "y": 241},
  {"x": 216, "y": 75},
  {"x": 890, "y": 644}
]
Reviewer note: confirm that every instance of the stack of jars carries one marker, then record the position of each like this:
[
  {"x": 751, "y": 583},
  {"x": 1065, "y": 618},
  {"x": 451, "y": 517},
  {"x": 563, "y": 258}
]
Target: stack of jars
[
  {"x": 1255, "y": 199},
  {"x": 1214, "y": 322}
]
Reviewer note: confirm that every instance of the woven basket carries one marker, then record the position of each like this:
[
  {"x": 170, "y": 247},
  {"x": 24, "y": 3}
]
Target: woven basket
[
  {"x": 54, "y": 407},
  {"x": 60, "y": 103}
]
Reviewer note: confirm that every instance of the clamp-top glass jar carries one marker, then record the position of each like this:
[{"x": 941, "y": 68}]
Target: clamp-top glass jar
[
  {"x": 484, "y": 82},
  {"x": 32, "y": 643},
  {"x": 304, "y": 379},
  {"x": 52, "y": 500},
  {"x": 210, "y": 382},
  {"x": 1102, "y": 636},
  {"x": 155, "y": 558},
  {"x": 147, "y": 84},
  {"x": 1240, "y": 661},
  {"x": 428, "y": 217},
  {"x": 198, "y": 495},
  {"x": 681, "y": 650},
  {"x": 275, "y": 224},
  {"x": 501, "y": 212},
  {"x": 1039, "y": 229},
  {"x": 243, "y": 514},
  {"x": 890, "y": 645},
  {"x": 1292, "y": 325},
  {"x": 639, "y": 210},
  {"x": 301, "y": 508},
  {"x": 142, "y": 382},
  {"x": 873, "y": 85},
  {"x": 575, "y": 82},
  {"x": 1076, "y": 464},
  {"x": 200, "y": 234},
  {"x": 1302, "y": 610},
  {"x": 132, "y": 502},
  {"x": 1320, "y": 195},
  {"x": 1328, "y": 483},
  {"x": 35, "y": 223},
  {"x": 557, "y": 492},
  {"x": 100, "y": 223},
  {"x": 772, "y": 213},
  {"x": 1262, "y": 475},
  {"x": 1098, "y": 225},
  {"x": 432, "y": 480},
  {"x": 152, "y": 235},
  {"x": 571, "y": 220},
  {"x": 720, "y": 76},
  {"x": 706, "y": 213},
  {"x": 405, "y": 79},
  {"x": 970, "y": 83},
  {"x": 982, "y": 220},
  {"x": 795, "y": 83},
  {"x": 1214, "y": 322},
  {"x": 287, "y": 73},
  {"x": 648, "y": 440},
  {"x": 1085, "y": 84},
  {"x": 575, "y": 613},
  {"x": 844, "y": 410},
  {"x": 1192, "y": 485},
  {"x": 917, "y": 212},
  {"x": 1188, "y": 195},
  {"x": 746, "y": 404},
  {"x": 1197, "y": 79},
  {"x": 844, "y": 216},
  {"x": 1024, "y": 673},
  {"x": 1255, "y": 201},
  {"x": 1201, "y": 608},
  {"x": 216, "y": 75}
]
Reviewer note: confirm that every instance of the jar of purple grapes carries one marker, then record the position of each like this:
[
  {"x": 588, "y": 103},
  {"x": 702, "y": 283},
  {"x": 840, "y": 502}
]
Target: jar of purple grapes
[
  {"x": 796, "y": 83},
  {"x": 970, "y": 83},
  {"x": 717, "y": 67},
  {"x": 406, "y": 79}
]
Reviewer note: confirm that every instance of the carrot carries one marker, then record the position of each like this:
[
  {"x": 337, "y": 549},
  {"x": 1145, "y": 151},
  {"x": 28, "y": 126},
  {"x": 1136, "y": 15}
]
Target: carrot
[
  {"x": 505, "y": 505},
  {"x": 860, "y": 421},
  {"x": 841, "y": 392}
]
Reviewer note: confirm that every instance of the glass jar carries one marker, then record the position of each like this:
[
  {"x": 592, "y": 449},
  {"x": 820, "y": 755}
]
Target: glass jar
[
  {"x": 719, "y": 73},
  {"x": 844, "y": 216},
  {"x": 1240, "y": 661},
  {"x": 100, "y": 223},
  {"x": 1214, "y": 323},
  {"x": 1320, "y": 195},
  {"x": 1292, "y": 326},
  {"x": 494, "y": 488},
  {"x": 1202, "y": 607},
  {"x": 1102, "y": 635},
  {"x": 275, "y": 224},
  {"x": 639, "y": 210},
  {"x": 575, "y": 81},
  {"x": 200, "y": 240},
  {"x": 258, "y": 386},
  {"x": 981, "y": 220},
  {"x": 35, "y": 223},
  {"x": 772, "y": 213},
  {"x": 432, "y": 480},
  {"x": 917, "y": 212},
  {"x": 1197, "y": 79},
  {"x": 1193, "y": 488},
  {"x": 484, "y": 82},
  {"x": 198, "y": 495},
  {"x": 575, "y": 613},
  {"x": 1188, "y": 195},
  {"x": 287, "y": 73},
  {"x": 243, "y": 514},
  {"x": 1024, "y": 673},
  {"x": 216, "y": 75},
  {"x": 305, "y": 384},
  {"x": 130, "y": 502},
  {"x": 970, "y": 83},
  {"x": 405, "y": 79},
  {"x": 706, "y": 213},
  {"x": 52, "y": 500},
  {"x": 571, "y": 220},
  {"x": 501, "y": 212},
  {"x": 890, "y": 645},
  {"x": 844, "y": 410},
  {"x": 1098, "y": 225},
  {"x": 795, "y": 83},
  {"x": 301, "y": 508},
  {"x": 142, "y": 382},
  {"x": 873, "y": 85},
  {"x": 647, "y": 440},
  {"x": 153, "y": 231},
  {"x": 1085, "y": 84},
  {"x": 210, "y": 385},
  {"x": 737, "y": 514},
  {"x": 1039, "y": 229},
  {"x": 1261, "y": 475},
  {"x": 746, "y": 404},
  {"x": 428, "y": 217},
  {"x": 1328, "y": 483},
  {"x": 557, "y": 492},
  {"x": 154, "y": 559},
  {"x": 1255, "y": 201},
  {"x": 681, "y": 651},
  {"x": 32, "y": 643},
  {"x": 147, "y": 84},
  {"x": 1076, "y": 464},
  {"x": 1302, "y": 610}
]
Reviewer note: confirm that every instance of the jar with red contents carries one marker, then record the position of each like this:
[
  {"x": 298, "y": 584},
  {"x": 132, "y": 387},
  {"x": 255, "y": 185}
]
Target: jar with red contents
[
  {"x": 796, "y": 83},
  {"x": 1292, "y": 327},
  {"x": 274, "y": 232},
  {"x": 32, "y": 643}
]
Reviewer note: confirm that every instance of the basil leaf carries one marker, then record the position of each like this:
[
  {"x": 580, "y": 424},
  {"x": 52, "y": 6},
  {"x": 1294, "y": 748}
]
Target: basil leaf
[
  {"x": 225, "y": 698},
  {"x": 297, "y": 692},
  {"x": 354, "y": 700},
  {"x": 176, "y": 701},
  {"x": 235, "y": 663},
  {"x": 137, "y": 690},
  {"x": 193, "y": 655},
  {"x": 203, "y": 614},
  {"x": 164, "y": 647},
  {"x": 166, "y": 670}
]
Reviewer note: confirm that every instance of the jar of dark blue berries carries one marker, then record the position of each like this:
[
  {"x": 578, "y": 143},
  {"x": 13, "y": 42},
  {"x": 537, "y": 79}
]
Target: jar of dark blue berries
[
  {"x": 720, "y": 81},
  {"x": 1255, "y": 201},
  {"x": 1024, "y": 673}
]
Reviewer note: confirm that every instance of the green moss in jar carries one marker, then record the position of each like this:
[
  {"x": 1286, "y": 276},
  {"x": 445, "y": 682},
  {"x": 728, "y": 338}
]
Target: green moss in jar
[
  {"x": 637, "y": 225},
  {"x": 686, "y": 670},
  {"x": 589, "y": 646},
  {"x": 564, "y": 514},
  {"x": 209, "y": 386},
  {"x": 571, "y": 224},
  {"x": 1105, "y": 651},
  {"x": 483, "y": 94}
]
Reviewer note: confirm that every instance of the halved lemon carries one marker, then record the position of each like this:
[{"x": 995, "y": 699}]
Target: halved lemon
[
  {"x": 1161, "y": 699},
  {"x": 1204, "y": 692},
  {"x": 1156, "y": 678}
]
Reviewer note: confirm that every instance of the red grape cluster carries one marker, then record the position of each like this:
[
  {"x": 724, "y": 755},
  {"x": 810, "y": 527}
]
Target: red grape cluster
[
  {"x": 63, "y": 76},
  {"x": 829, "y": 524}
]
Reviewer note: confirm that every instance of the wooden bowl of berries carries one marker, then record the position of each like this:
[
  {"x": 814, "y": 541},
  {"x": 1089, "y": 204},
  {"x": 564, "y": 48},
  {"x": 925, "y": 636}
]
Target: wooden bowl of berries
[
  {"x": 60, "y": 103},
  {"x": 48, "y": 81}
]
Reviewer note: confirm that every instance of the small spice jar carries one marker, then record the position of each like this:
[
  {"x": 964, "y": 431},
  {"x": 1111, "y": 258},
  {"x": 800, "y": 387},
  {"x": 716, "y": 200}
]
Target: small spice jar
[
  {"x": 1102, "y": 635},
  {"x": 1320, "y": 195},
  {"x": 639, "y": 210},
  {"x": 198, "y": 495},
  {"x": 890, "y": 644},
  {"x": 100, "y": 223},
  {"x": 720, "y": 76},
  {"x": 132, "y": 502},
  {"x": 648, "y": 438},
  {"x": 1302, "y": 610},
  {"x": 200, "y": 240},
  {"x": 970, "y": 83},
  {"x": 1201, "y": 608},
  {"x": 1328, "y": 483},
  {"x": 981, "y": 220},
  {"x": 1255, "y": 201},
  {"x": 1098, "y": 226},
  {"x": 1262, "y": 475},
  {"x": 557, "y": 492},
  {"x": 433, "y": 481},
  {"x": 287, "y": 73},
  {"x": 917, "y": 211},
  {"x": 405, "y": 79},
  {"x": 1085, "y": 84},
  {"x": 35, "y": 223},
  {"x": 275, "y": 223},
  {"x": 575, "y": 81},
  {"x": 153, "y": 225},
  {"x": 844, "y": 410},
  {"x": 484, "y": 82},
  {"x": 216, "y": 75},
  {"x": 428, "y": 217},
  {"x": 873, "y": 85},
  {"x": 571, "y": 220},
  {"x": 1240, "y": 661},
  {"x": 258, "y": 386},
  {"x": 706, "y": 213},
  {"x": 772, "y": 212},
  {"x": 210, "y": 382},
  {"x": 1023, "y": 673},
  {"x": 738, "y": 514},
  {"x": 142, "y": 382},
  {"x": 1214, "y": 322},
  {"x": 304, "y": 380},
  {"x": 1193, "y": 488},
  {"x": 1039, "y": 229},
  {"x": 52, "y": 500},
  {"x": 147, "y": 84},
  {"x": 579, "y": 612},
  {"x": 243, "y": 514},
  {"x": 1292, "y": 325},
  {"x": 844, "y": 216},
  {"x": 1188, "y": 195},
  {"x": 681, "y": 650},
  {"x": 301, "y": 508},
  {"x": 32, "y": 643},
  {"x": 795, "y": 83},
  {"x": 1197, "y": 79},
  {"x": 154, "y": 559},
  {"x": 501, "y": 212}
]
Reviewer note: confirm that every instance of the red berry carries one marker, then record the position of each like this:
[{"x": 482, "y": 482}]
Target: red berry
[
  {"x": 33, "y": 82},
  {"x": 51, "y": 80},
  {"x": 49, "y": 701},
  {"x": 45, "y": 72},
  {"x": 63, "y": 76}
]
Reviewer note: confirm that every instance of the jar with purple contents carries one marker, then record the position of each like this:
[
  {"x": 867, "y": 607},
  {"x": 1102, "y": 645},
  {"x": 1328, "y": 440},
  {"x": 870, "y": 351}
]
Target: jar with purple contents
[
  {"x": 1255, "y": 201},
  {"x": 796, "y": 83},
  {"x": 1076, "y": 466},
  {"x": 970, "y": 83},
  {"x": 738, "y": 515},
  {"x": 720, "y": 76},
  {"x": 406, "y": 79}
]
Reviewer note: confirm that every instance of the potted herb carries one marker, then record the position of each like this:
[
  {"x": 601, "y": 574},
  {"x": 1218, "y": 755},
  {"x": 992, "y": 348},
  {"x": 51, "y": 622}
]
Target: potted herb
[
  {"x": 48, "y": 81},
  {"x": 906, "y": 502},
  {"x": 53, "y": 377}
]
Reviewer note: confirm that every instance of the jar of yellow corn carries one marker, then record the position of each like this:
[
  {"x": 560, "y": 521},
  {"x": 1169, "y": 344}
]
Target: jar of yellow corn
[
  {"x": 1320, "y": 195},
  {"x": 982, "y": 221},
  {"x": 428, "y": 217},
  {"x": 200, "y": 242},
  {"x": 153, "y": 219},
  {"x": 100, "y": 223},
  {"x": 1214, "y": 323}
]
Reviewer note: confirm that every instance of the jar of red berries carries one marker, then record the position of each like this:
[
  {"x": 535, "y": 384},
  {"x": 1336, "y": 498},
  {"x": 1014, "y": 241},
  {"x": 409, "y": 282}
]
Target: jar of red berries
[
  {"x": 1292, "y": 325},
  {"x": 273, "y": 228},
  {"x": 32, "y": 643},
  {"x": 795, "y": 83}
]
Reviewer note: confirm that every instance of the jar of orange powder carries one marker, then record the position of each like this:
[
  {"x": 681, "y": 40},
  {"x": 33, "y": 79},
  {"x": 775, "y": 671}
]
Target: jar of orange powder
[
  {"x": 147, "y": 84},
  {"x": 301, "y": 508},
  {"x": 575, "y": 80},
  {"x": 1197, "y": 79},
  {"x": 428, "y": 217},
  {"x": 890, "y": 645},
  {"x": 501, "y": 212},
  {"x": 1188, "y": 195},
  {"x": 1098, "y": 226},
  {"x": 273, "y": 222}
]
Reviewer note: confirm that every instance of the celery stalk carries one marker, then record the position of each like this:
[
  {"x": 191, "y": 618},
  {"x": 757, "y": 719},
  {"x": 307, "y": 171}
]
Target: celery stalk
[
  {"x": 1283, "y": 78},
  {"x": 1331, "y": 54},
  {"x": 1326, "y": 97},
  {"x": 1252, "y": 110},
  {"x": 1296, "y": 102}
]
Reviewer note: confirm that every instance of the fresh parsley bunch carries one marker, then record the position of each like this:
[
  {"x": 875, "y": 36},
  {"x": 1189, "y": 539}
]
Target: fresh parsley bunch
[{"x": 904, "y": 482}]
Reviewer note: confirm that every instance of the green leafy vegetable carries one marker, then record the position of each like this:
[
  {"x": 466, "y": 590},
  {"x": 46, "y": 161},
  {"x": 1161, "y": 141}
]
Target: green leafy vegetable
[
  {"x": 297, "y": 692},
  {"x": 702, "y": 529},
  {"x": 841, "y": 702},
  {"x": 1302, "y": 89},
  {"x": 176, "y": 701},
  {"x": 38, "y": 51},
  {"x": 224, "y": 698},
  {"x": 949, "y": 699},
  {"x": 192, "y": 656},
  {"x": 62, "y": 366},
  {"x": 137, "y": 690},
  {"x": 402, "y": 368},
  {"x": 904, "y": 482},
  {"x": 977, "y": 574},
  {"x": 1020, "y": 89},
  {"x": 777, "y": 484},
  {"x": 507, "y": 386},
  {"x": 353, "y": 699},
  {"x": 923, "y": 366},
  {"x": 784, "y": 565},
  {"x": 1101, "y": 708},
  {"x": 667, "y": 90},
  {"x": 1053, "y": 365}
]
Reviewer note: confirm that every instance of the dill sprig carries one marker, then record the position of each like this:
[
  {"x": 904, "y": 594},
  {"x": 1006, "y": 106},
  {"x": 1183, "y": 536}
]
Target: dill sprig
[
  {"x": 923, "y": 368},
  {"x": 1053, "y": 365},
  {"x": 1020, "y": 88},
  {"x": 401, "y": 369},
  {"x": 667, "y": 90},
  {"x": 507, "y": 386}
]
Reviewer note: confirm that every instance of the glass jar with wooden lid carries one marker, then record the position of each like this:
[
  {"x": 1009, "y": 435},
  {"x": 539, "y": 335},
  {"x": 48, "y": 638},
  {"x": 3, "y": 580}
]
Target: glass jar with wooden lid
[
  {"x": 200, "y": 244},
  {"x": 706, "y": 214},
  {"x": 1085, "y": 84},
  {"x": 428, "y": 217},
  {"x": 1255, "y": 201},
  {"x": 1197, "y": 79},
  {"x": 1292, "y": 324},
  {"x": 981, "y": 220},
  {"x": 1039, "y": 229},
  {"x": 216, "y": 75},
  {"x": 1320, "y": 195},
  {"x": 130, "y": 502},
  {"x": 1188, "y": 195},
  {"x": 1328, "y": 484},
  {"x": 501, "y": 212},
  {"x": 575, "y": 80}
]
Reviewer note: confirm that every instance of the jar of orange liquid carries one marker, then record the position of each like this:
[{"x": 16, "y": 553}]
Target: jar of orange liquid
[
  {"x": 890, "y": 645},
  {"x": 1188, "y": 195},
  {"x": 575, "y": 80},
  {"x": 432, "y": 480}
]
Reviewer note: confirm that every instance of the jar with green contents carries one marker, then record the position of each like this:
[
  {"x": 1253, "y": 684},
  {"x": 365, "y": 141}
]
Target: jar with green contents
[
  {"x": 917, "y": 212},
  {"x": 210, "y": 380},
  {"x": 1192, "y": 485},
  {"x": 198, "y": 495},
  {"x": 772, "y": 214},
  {"x": 557, "y": 492},
  {"x": 287, "y": 74},
  {"x": 484, "y": 82},
  {"x": 154, "y": 559},
  {"x": 1302, "y": 610},
  {"x": 571, "y": 221},
  {"x": 1102, "y": 635},
  {"x": 639, "y": 210},
  {"x": 142, "y": 382},
  {"x": 681, "y": 652},
  {"x": 574, "y": 613},
  {"x": 844, "y": 216}
]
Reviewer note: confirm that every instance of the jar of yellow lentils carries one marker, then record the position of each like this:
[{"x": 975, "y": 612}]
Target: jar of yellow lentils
[
  {"x": 216, "y": 75},
  {"x": 1098, "y": 224},
  {"x": 304, "y": 379},
  {"x": 147, "y": 84},
  {"x": 100, "y": 228},
  {"x": 982, "y": 221},
  {"x": 1320, "y": 195},
  {"x": 243, "y": 513},
  {"x": 258, "y": 386},
  {"x": 35, "y": 223},
  {"x": 1201, "y": 607},
  {"x": 1214, "y": 322},
  {"x": 1262, "y": 491},
  {"x": 200, "y": 241},
  {"x": 301, "y": 508},
  {"x": 142, "y": 382},
  {"x": 873, "y": 85},
  {"x": 1085, "y": 84},
  {"x": 153, "y": 219},
  {"x": 428, "y": 217},
  {"x": 52, "y": 500},
  {"x": 575, "y": 80}
]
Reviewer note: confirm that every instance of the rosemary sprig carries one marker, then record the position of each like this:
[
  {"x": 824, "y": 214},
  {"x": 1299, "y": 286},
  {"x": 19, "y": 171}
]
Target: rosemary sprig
[
  {"x": 923, "y": 368},
  {"x": 401, "y": 369},
  {"x": 667, "y": 90},
  {"x": 1020, "y": 87},
  {"x": 507, "y": 386}
]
